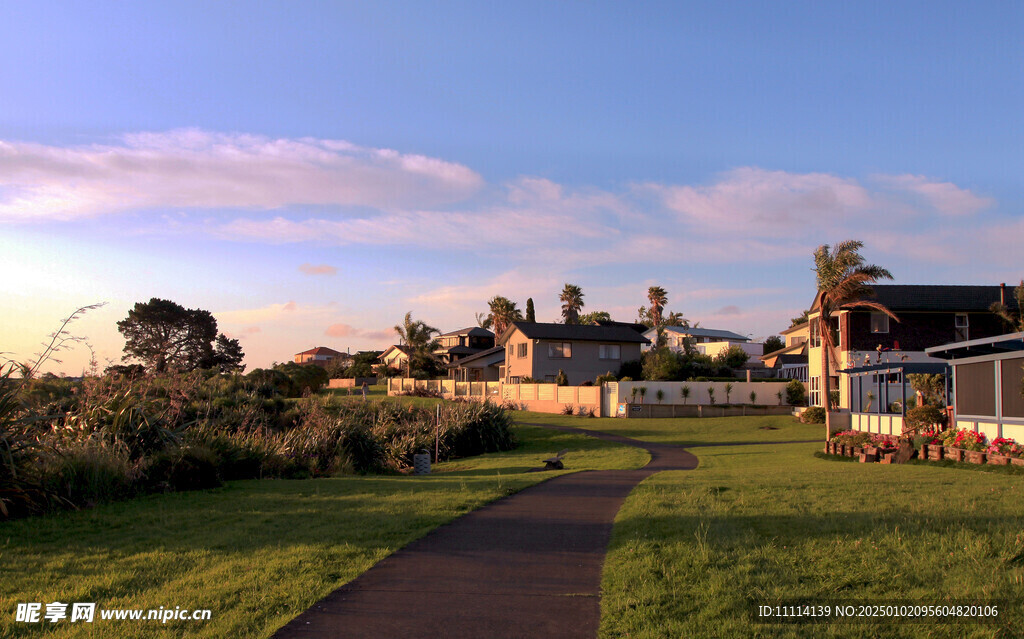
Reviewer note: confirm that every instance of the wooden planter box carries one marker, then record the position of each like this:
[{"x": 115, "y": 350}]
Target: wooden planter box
[
  {"x": 975, "y": 456},
  {"x": 922, "y": 453},
  {"x": 955, "y": 454},
  {"x": 857, "y": 450},
  {"x": 1017, "y": 461},
  {"x": 935, "y": 452},
  {"x": 999, "y": 460}
]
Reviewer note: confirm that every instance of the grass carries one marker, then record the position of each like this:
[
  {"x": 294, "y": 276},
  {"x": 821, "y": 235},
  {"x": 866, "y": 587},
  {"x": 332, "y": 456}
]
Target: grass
[
  {"x": 691, "y": 550},
  {"x": 690, "y": 431},
  {"x": 256, "y": 553}
]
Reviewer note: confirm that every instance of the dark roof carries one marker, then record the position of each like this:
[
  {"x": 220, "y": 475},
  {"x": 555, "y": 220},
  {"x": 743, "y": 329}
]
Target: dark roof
[
  {"x": 480, "y": 355},
  {"x": 576, "y": 332},
  {"x": 706, "y": 332},
  {"x": 458, "y": 350},
  {"x": 1013, "y": 342},
  {"x": 398, "y": 347},
  {"x": 320, "y": 350},
  {"x": 919, "y": 297},
  {"x": 639, "y": 328},
  {"x": 786, "y": 350},
  {"x": 475, "y": 331}
]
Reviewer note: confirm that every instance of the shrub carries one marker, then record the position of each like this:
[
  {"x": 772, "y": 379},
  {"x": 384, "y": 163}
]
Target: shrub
[
  {"x": 585, "y": 411},
  {"x": 561, "y": 379},
  {"x": 632, "y": 369},
  {"x": 796, "y": 394},
  {"x": 188, "y": 467},
  {"x": 87, "y": 472},
  {"x": 813, "y": 415},
  {"x": 607, "y": 377}
]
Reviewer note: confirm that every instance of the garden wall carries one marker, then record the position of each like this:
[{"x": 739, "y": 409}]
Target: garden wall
[
  {"x": 767, "y": 393},
  {"x": 350, "y": 382}
]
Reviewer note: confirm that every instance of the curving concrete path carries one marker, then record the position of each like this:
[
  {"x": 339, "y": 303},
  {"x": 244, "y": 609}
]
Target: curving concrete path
[{"x": 523, "y": 566}]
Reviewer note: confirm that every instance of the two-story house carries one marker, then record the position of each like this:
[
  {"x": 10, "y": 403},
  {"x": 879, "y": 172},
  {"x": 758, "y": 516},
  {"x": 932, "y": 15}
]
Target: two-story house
[
  {"x": 583, "y": 351},
  {"x": 928, "y": 316},
  {"x": 707, "y": 341},
  {"x": 790, "y": 361},
  {"x": 320, "y": 356},
  {"x": 463, "y": 343}
]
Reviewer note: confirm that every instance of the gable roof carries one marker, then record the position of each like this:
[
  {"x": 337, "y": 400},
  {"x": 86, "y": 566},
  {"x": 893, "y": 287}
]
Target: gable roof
[
  {"x": 796, "y": 349},
  {"x": 395, "y": 347},
  {"x": 706, "y": 332},
  {"x": 474, "y": 331},
  {"x": 574, "y": 332},
  {"x": 321, "y": 350},
  {"x": 639, "y": 328},
  {"x": 938, "y": 297},
  {"x": 497, "y": 350}
]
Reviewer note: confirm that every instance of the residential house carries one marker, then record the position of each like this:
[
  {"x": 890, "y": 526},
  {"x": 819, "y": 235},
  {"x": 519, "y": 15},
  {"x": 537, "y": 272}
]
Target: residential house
[
  {"x": 484, "y": 366},
  {"x": 320, "y": 356},
  {"x": 707, "y": 341},
  {"x": 583, "y": 351},
  {"x": 928, "y": 316},
  {"x": 790, "y": 361},
  {"x": 395, "y": 356},
  {"x": 462, "y": 343},
  {"x": 988, "y": 380}
]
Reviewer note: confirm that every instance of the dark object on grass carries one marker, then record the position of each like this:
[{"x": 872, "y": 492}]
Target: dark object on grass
[
  {"x": 555, "y": 463},
  {"x": 905, "y": 451}
]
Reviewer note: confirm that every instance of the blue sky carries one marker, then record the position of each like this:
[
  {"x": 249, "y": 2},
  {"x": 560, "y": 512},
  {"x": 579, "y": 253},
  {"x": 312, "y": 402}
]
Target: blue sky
[{"x": 311, "y": 171}]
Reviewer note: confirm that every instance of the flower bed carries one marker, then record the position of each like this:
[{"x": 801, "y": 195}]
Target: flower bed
[{"x": 955, "y": 445}]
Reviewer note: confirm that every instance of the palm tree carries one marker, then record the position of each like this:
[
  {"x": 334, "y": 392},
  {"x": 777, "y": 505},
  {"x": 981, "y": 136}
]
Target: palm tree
[
  {"x": 843, "y": 283},
  {"x": 419, "y": 337},
  {"x": 572, "y": 302},
  {"x": 503, "y": 313},
  {"x": 1014, "y": 320},
  {"x": 658, "y": 298}
]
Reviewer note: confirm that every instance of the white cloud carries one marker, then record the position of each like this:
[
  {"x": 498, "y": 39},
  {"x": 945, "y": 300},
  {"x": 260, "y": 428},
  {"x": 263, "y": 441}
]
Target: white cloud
[
  {"x": 199, "y": 169},
  {"x": 945, "y": 197},
  {"x": 769, "y": 203}
]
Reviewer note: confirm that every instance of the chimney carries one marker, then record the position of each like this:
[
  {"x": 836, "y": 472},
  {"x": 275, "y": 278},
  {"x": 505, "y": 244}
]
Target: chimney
[{"x": 1002, "y": 293}]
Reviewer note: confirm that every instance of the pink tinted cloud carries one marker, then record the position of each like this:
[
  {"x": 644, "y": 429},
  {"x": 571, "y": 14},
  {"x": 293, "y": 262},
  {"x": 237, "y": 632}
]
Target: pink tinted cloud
[
  {"x": 200, "y": 169},
  {"x": 945, "y": 197},
  {"x": 347, "y": 330},
  {"x": 318, "y": 269}
]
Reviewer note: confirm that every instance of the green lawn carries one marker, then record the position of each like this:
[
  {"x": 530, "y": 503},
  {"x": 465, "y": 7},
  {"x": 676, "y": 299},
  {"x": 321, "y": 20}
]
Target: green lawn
[
  {"x": 690, "y": 431},
  {"x": 256, "y": 553},
  {"x": 769, "y": 522}
]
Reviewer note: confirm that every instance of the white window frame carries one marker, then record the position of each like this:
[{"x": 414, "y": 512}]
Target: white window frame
[
  {"x": 521, "y": 350},
  {"x": 961, "y": 330}
]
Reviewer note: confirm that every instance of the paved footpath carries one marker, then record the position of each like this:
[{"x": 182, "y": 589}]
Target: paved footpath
[{"x": 528, "y": 565}]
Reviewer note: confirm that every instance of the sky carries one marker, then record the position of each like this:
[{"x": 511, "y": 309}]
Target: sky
[{"x": 311, "y": 171}]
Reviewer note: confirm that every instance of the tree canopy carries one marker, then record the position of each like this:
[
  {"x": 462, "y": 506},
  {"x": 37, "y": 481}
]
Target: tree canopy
[
  {"x": 503, "y": 312},
  {"x": 165, "y": 336},
  {"x": 572, "y": 302}
]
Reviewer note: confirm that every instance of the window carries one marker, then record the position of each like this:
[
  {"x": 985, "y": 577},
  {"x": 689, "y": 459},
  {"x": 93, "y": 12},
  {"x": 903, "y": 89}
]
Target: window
[
  {"x": 879, "y": 323},
  {"x": 609, "y": 351},
  {"x": 814, "y": 397},
  {"x": 520, "y": 350},
  {"x": 560, "y": 350},
  {"x": 961, "y": 326}
]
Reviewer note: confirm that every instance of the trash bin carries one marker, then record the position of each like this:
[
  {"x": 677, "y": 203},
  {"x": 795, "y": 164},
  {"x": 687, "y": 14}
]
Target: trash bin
[{"x": 421, "y": 463}]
